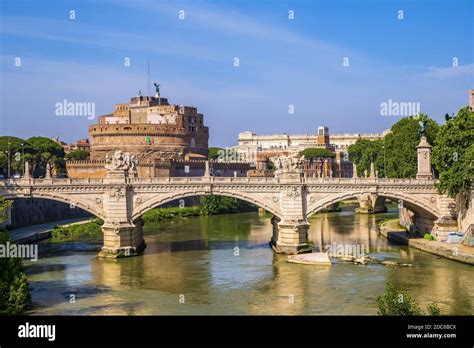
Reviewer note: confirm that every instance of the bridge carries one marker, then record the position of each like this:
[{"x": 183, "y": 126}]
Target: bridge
[{"x": 120, "y": 200}]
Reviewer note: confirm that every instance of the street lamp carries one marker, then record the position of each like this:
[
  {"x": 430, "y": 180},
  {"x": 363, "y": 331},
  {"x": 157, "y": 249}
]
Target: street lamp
[
  {"x": 8, "y": 160},
  {"x": 23, "y": 158},
  {"x": 384, "y": 162}
]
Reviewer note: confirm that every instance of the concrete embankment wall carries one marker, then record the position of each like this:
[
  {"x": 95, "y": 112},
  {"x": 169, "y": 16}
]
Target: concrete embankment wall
[
  {"x": 32, "y": 211},
  {"x": 455, "y": 252},
  {"x": 465, "y": 211}
]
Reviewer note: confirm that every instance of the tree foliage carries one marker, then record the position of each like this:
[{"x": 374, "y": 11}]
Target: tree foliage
[
  {"x": 13, "y": 151},
  {"x": 38, "y": 151},
  {"x": 78, "y": 155},
  {"x": 364, "y": 152},
  {"x": 270, "y": 165},
  {"x": 4, "y": 204},
  {"x": 214, "y": 153},
  {"x": 399, "y": 302},
  {"x": 14, "y": 291},
  {"x": 400, "y": 146},
  {"x": 315, "y": 153},
  {"x": 396, "y": 155},
  {"x": 44, "y": 151},
  {"x": 224, "y": 205},
  {"x": 453, "y": 153}
]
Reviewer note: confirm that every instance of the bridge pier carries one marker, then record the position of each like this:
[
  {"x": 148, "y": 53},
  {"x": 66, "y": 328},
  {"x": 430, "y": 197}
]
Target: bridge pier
[
  {"x": 290, "y": 236},
  {"x": 371, "y": 204},
  {"x": 122, "y": 239},
  {"x": 447, "y": 221}
]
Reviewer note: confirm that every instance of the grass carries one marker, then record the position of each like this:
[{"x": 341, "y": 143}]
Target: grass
[
  {"x": 160, "y": 214},
  {"x": 91, "y": 229},
  {"x": 391, "y": 223}
]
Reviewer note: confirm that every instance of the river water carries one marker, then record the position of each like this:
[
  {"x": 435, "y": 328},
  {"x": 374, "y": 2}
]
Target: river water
[{"x": 223, "y": 265}]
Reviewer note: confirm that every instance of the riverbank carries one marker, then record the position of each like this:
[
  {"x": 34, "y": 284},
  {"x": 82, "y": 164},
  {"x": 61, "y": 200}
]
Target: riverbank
[
  {"x": 392, "y": 230},
  {"x": 79, "y": 231},
  {"x": 35, "y": 233}
]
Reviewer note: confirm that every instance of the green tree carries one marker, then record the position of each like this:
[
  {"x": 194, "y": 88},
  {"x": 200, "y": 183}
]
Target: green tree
[
  {"x": 400, "y": 146},
  {"x": 270, "y": 165},
  {"x": 315, "y": 153},
  {"x": 15, "y": 151},
  {"x": 44, "y": 151},
  {"x": 14, "y": 291},
  {"x": 78, "y": 155},
  {"x": 19, "y": 294},
  {"x": 214, "y": 153},
  {"x": 4, "y": 204},
  {"x": 364, "y": 152},
  {"x": 453, "y": 153},
  {"x": 399, "y": 302},
  {"x": 213, "y": 204}
]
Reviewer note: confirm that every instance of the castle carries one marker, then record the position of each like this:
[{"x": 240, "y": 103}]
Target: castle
[
  {"x": 150, "y": 127},
  {"x": 166, "y": 139}
]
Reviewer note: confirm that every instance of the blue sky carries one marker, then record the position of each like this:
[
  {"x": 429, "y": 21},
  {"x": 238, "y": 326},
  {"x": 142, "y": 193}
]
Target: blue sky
[{"x": 282, "y": 61}]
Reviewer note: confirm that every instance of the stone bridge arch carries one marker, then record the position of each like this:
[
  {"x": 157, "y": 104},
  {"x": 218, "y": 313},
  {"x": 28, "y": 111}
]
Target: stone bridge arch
[
  {"x": 417, "y": 205},
  {"x": 141, "y": 205},
  {"x": 64, "y": 198}
]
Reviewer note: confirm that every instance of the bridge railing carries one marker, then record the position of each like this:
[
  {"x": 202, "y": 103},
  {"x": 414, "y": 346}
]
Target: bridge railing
[
  {"x": 49, "y": 181},
  {"x": 214, "y": 179},
  {"x": 380, "y": 181},
  {"x": 202, "y": 179}
]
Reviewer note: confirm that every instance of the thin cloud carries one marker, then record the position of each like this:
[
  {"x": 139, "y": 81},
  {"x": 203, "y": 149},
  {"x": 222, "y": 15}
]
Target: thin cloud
[{"x": 448, "y": 72}]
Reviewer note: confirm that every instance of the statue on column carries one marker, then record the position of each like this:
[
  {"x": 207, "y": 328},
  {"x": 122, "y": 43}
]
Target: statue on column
[
  {"x": 422, "y": 127},
  {"x": 157, "y": 89},
  {"x": 423, "y": 153},
  {"x": 48, "y": 171}
]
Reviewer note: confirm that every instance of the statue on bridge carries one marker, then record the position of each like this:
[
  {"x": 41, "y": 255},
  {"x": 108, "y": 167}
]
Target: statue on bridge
[
  {"x": 422, "y": 127},
  {"x": 120, "y": 161},
  {"x": 290, "y": 164}
]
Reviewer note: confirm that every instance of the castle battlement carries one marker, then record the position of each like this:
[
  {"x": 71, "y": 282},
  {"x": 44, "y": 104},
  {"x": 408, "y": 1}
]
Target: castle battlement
[{"x": 149, "y": 126}]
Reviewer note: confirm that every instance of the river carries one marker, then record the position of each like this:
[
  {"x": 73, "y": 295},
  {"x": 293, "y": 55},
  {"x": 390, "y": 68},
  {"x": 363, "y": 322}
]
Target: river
[{"x": 222, "y": 264}]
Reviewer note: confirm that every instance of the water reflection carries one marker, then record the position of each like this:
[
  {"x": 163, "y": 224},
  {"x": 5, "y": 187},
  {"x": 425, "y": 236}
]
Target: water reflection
[{"x": 223, "y": 265}]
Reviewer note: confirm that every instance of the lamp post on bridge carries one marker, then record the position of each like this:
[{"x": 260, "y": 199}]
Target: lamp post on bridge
[
  {"x": 8, "y": 159},
  {"x": 23, "y": 158}
]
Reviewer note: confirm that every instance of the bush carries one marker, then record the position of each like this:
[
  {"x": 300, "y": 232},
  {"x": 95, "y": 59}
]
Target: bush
[
  {"x": 14, "y": 290},
  {"x": 89, "y": 229},
  {"x": 160, "y": 214},
  {"x": 224, "y": 205},
  {"x": 399, "y": 302},
  {"x": 433, "y": 309},
  {"x": 429, "y": 236},
  {"x": 19, "y": 296}
]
